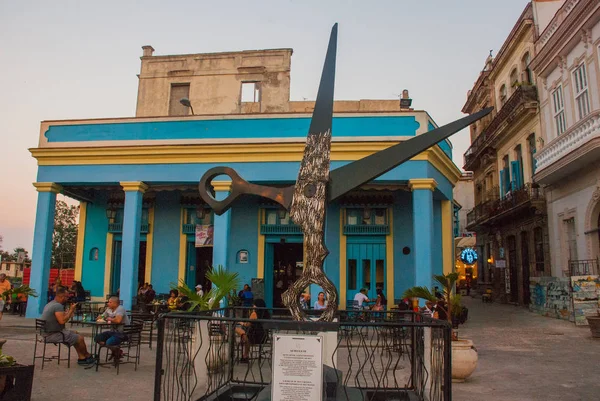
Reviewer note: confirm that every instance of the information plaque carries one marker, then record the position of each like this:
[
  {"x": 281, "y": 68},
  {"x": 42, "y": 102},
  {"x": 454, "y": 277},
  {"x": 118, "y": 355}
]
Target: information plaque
[{"x": 297, "y": 368}]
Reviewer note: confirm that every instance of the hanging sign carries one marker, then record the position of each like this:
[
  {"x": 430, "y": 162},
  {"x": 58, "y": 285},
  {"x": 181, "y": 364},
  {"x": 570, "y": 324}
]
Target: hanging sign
[
  {"x": 204, "y": 235},
  {"x": 468, "y": 256}
]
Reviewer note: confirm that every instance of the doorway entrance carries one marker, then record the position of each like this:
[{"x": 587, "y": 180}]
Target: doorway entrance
[
  {"x": 525, "y": 266},
  {"x": 285, "y": 262},
  {"x": 115, "y": 277},
  {"x": 199, "y": 262},
  {"x": 513, "y": 268}
]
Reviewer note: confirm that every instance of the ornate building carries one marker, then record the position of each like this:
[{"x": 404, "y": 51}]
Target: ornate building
[
  {"x": 142, "y": 219},
  {"x": 509, "y": 216},
  {"x": 567, "y": 66}
]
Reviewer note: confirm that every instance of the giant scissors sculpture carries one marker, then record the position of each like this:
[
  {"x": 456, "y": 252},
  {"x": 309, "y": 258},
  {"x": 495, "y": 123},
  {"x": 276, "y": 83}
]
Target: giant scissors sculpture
[{"x": 316, "y": 186}]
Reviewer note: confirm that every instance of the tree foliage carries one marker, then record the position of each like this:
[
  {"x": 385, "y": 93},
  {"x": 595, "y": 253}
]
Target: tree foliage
[
  {"x": 14, "y": 256},
  {"x": 64, "y": 238}
]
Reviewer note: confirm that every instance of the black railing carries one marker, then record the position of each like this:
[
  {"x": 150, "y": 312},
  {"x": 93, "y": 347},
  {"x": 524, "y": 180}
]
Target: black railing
[
  {"x": 367, "y": 355},
  {"x": 583, "y": 267},
  {"x": 523, "y": 94},
  {"x": 514, "y": 199}
]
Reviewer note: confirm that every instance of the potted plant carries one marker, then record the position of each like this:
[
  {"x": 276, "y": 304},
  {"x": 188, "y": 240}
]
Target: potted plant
[
  {"x": 594, "y": 322},
  {"x": 464, "y": 354},
  {"x": 15, "y": 380},
  {"x": 212, "y": 356},
  {"x": 20, "y": 291}
]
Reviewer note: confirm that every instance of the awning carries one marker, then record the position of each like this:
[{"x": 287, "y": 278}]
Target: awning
[{"x": 465, "y": 242}]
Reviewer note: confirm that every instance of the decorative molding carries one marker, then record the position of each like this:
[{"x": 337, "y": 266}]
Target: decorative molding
[
  {"x": 221, "y": 186},
  {"x": 574, "y": 138},
  {"x": 133, "y": 186},
  {"x": 586, "y": 37},
  {"x": 48, "y": 187},
  {"x": 422, "y": 183}
]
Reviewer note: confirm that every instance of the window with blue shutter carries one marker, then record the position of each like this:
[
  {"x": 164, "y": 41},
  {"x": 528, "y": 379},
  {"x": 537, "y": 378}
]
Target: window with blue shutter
[{"x": 517, "y": 175}]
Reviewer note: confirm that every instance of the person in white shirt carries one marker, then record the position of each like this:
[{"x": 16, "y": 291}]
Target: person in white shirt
[
  {"x": 199, "y": 290},
  {"x": 360, "y": 298}
]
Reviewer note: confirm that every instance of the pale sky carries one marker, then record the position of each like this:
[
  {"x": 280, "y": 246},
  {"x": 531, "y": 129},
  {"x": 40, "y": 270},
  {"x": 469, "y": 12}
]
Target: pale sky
[{"x": 79, "y": 59}]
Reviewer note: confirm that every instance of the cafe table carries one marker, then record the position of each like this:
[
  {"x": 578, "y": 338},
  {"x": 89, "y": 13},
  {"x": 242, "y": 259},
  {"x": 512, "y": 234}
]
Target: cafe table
[{"x": 97, "y": 328}]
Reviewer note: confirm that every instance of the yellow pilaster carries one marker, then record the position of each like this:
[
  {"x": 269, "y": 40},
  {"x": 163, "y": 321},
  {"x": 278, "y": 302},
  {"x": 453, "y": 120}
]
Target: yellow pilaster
[
  {"x": 389, "y": 256},
  {"x": 260, "y": 252},
  {"x": 149, "y": 243},
  {"x": 447, "y": 237},
  {"x": 80, "y": 240},
  {"x": 343, "y": 284},
  {"x": 182, "y": 247},
  {"x": 108, "y": 262}
]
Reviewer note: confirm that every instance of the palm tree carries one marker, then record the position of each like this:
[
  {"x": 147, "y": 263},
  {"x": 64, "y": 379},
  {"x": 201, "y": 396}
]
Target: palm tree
[{"x": 224, "y": 282}]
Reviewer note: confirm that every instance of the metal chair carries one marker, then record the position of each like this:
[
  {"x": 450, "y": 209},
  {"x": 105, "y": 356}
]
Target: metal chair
[
  {"x": 146, "y": 320},
  {"x": 130, "y": 347},
  {"x": 41, "y": 336}
]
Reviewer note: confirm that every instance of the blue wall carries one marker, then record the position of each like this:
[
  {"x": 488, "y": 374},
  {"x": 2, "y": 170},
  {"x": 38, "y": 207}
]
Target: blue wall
[
  {"x": 243, "y": 234},
  {"x": 165, "y": 250},
  {"x": 96, "y": 228},
  {"x": 234, "y": 128},
  {"x": 404, "y": 265}
]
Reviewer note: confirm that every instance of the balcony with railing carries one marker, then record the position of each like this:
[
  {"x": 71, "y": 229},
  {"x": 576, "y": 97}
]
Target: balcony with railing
[
  {"x": 583, "y": 267},
  {"x": 366, "y": 229},
  {"x": 280, "y": 229},
  {"x": 116, "y": 228},
  {"x": 521, "y": 103},
  {"x": 530, "y": 196}
]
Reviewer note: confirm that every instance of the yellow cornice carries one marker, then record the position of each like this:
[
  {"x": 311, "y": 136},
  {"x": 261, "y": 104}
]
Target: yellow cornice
[
  {"x": 221, "y": 186},
  {"x": 47, "y": 187},
  {"x": 422, "y": 183},
  {"x": 134, "y": 186},
  {"x": 227, "y": 153}
]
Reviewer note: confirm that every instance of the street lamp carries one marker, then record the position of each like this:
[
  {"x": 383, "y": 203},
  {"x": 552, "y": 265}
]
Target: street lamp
[
  {"x": 200, "y": 212},
  {"x": 186, "y": 102},
  {"x": 111, "y": 213}
]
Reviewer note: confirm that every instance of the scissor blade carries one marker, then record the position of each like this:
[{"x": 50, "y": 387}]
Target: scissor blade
[
  {"x": 323, "y": 112},
  {"x": 351, "y": 176}
]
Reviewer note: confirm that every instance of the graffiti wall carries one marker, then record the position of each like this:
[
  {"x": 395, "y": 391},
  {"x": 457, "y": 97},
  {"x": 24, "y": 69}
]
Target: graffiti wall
[
  {"x": 551, "y": 296},
  {"x": 586, "y": 295}
]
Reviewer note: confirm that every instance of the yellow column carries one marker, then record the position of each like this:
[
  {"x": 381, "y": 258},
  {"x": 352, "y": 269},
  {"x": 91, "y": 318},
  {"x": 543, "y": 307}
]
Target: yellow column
[
  {"x": 182, "y": 248},
  {"x": 389, "y": 255},
  {"x": 149, "y": 243},
  {"x": 260, "y": 252},
  {"x": 108, "y": 262},
  {"x": 343, "y": 284},
  {"x": 447, "y": 237},
  {"x": 80, "y": 240}
]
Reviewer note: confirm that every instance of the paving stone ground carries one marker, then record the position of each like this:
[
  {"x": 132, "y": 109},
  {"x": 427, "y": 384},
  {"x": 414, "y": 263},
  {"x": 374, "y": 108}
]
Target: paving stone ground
[{"x": 522, "y": 356}]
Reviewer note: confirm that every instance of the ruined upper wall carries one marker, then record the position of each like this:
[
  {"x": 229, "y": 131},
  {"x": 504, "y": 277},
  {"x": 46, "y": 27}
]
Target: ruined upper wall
[{"x": 215, "y": 82}]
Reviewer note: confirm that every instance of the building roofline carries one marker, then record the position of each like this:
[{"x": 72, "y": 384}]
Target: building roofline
[{"x": 219, "y": 54}]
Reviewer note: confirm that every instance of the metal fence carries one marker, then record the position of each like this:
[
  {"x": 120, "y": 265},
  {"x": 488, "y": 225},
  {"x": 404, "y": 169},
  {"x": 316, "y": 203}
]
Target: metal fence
[{"x": 366, "y": 355}]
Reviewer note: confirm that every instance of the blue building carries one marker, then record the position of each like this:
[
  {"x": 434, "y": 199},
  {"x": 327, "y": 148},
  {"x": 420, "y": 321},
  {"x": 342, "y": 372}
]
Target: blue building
[{"x": 141, "y": 217}]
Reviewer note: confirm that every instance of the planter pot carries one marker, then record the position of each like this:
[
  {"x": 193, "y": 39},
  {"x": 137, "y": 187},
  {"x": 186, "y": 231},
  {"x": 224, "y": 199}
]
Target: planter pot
[
  {"x": 594, "y": 322},
  {"x": 464, "y": 360},
  {"x": 16, "y": 382}
]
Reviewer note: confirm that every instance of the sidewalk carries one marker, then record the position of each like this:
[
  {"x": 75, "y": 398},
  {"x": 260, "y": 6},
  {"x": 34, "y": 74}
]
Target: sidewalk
[{"x": 524, "y": 356}]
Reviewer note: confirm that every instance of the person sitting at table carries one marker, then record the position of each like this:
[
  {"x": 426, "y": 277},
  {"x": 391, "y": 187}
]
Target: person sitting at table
[
  {"x": 115, "y": 313},
  {"x": 360, "y": 298},
  {"x": 253, "y": 333},
  {"x": 378, "y": 306},
  {"x": 174, "y": 301},
  {"x": 320, "y": 303},
  {"x": 150, "y": 294},
  {"x": 56, "y": 317},
  {"x": 305, "y": 301}
]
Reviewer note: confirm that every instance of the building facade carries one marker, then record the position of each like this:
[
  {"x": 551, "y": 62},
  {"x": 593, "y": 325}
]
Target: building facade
[
  {"x": 509, "y": 215},
  {"x": 567, "y": 66},
  {"x": 142, "y": 219}
]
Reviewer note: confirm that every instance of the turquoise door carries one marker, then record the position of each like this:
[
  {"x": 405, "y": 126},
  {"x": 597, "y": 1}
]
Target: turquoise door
[
  {"x": 115, "y": 280},
  {"x": 190, "y": 265},
  {"x": 365, "y": 269}
]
